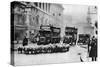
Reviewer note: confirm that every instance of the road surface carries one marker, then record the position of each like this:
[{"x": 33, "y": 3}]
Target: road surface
[{"x": 73, "y": 55}]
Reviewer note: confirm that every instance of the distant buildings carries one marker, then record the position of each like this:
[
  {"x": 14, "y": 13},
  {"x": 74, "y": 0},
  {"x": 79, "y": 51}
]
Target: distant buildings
[
  {"x": 28, "y": 16},
  {"x": 93, "y": 19}
]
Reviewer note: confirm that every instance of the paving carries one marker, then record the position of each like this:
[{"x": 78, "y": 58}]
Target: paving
[{"x": 75, "y": 54}]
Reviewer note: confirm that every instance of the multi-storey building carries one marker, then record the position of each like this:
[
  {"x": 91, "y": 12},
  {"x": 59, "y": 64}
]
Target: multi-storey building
[
  {"x": 28, "y": 16},
  {"x": 93, "y": 18}
]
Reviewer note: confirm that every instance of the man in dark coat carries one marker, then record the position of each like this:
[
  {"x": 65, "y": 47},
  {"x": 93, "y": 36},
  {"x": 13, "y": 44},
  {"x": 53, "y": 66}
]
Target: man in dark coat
[
  {"x": 93, "y": 50},
  {"x": 25, "y": 41}
]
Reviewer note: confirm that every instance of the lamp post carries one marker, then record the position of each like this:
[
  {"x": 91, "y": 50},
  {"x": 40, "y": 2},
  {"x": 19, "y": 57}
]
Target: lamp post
[{"x": 27, "y": 13}]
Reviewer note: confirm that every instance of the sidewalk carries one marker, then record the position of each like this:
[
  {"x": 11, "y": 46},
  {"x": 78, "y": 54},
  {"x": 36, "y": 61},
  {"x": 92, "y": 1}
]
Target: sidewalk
[{"x": 70, "y": 56}]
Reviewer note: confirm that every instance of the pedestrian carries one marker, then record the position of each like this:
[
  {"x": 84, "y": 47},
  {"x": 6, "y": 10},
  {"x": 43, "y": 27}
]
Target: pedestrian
[
  {"x": 93, "y": 49},
  {"x": 89, "y": 43},
  {"x": 25, "y": 41}
]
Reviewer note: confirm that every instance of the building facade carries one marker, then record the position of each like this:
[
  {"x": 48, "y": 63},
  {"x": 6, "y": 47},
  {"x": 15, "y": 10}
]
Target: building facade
[
  {"x": 28, "y": 17},
  {"x": 93, "y": 19}
]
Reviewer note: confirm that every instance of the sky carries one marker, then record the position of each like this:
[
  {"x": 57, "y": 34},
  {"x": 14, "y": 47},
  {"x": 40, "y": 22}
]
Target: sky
[
  {"x": 76, "y": 16},
  {"x": 76, "y": 12}
]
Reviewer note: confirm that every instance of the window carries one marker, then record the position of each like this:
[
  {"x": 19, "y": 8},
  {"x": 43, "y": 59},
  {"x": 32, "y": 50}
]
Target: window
[
  {"x": 40, "y": 5},
  {"x": 53, "y": 14},
  {"x": 59, "y": 14},
  {"x": 43, "y": 6},
  {"x": 36, "y": 4},
  {"x": 95, "y": 7},
  {"x": 96, "y": 32},
  {"x": 46, "y": 7},
  {"x": 96, "y": 25}
]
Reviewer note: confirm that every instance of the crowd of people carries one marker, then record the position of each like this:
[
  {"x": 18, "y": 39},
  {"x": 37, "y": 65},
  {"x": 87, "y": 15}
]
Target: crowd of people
[{"x": 92, "y": 47}]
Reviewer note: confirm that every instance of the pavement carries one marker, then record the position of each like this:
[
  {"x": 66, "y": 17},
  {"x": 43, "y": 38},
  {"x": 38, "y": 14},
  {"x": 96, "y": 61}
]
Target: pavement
[{"x": 75, "y": 54}]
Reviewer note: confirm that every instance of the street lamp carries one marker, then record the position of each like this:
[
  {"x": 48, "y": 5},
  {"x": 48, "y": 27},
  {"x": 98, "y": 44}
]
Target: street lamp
[{"x": 27, "y": 14}]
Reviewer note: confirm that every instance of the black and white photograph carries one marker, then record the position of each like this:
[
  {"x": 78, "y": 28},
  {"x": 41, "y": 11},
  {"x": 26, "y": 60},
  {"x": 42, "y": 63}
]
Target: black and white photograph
[{"x": 53, "y": 33}]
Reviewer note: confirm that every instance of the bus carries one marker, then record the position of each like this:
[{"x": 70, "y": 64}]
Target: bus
[
  {"x": 70, "y": 36},
  {"x": 44, "y": 35},
  {"x": 83, "y": 39},
  {"x": 55, "y": 35}
]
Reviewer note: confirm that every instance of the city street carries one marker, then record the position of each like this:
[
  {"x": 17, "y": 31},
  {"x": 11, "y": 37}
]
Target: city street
[
  {"x": 73, "y": 55},
  {"x": 46, "y": 33}
]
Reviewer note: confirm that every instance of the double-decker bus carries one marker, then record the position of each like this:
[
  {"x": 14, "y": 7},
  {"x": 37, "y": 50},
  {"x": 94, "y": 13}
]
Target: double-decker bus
[
  {"x": 83, "y": 39},
  {"x": 55, "y": 35},
  {"x": 70, "y": 35},
  {"x": 48, "y": 34},
  {"x": 44, "y": 35}
]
